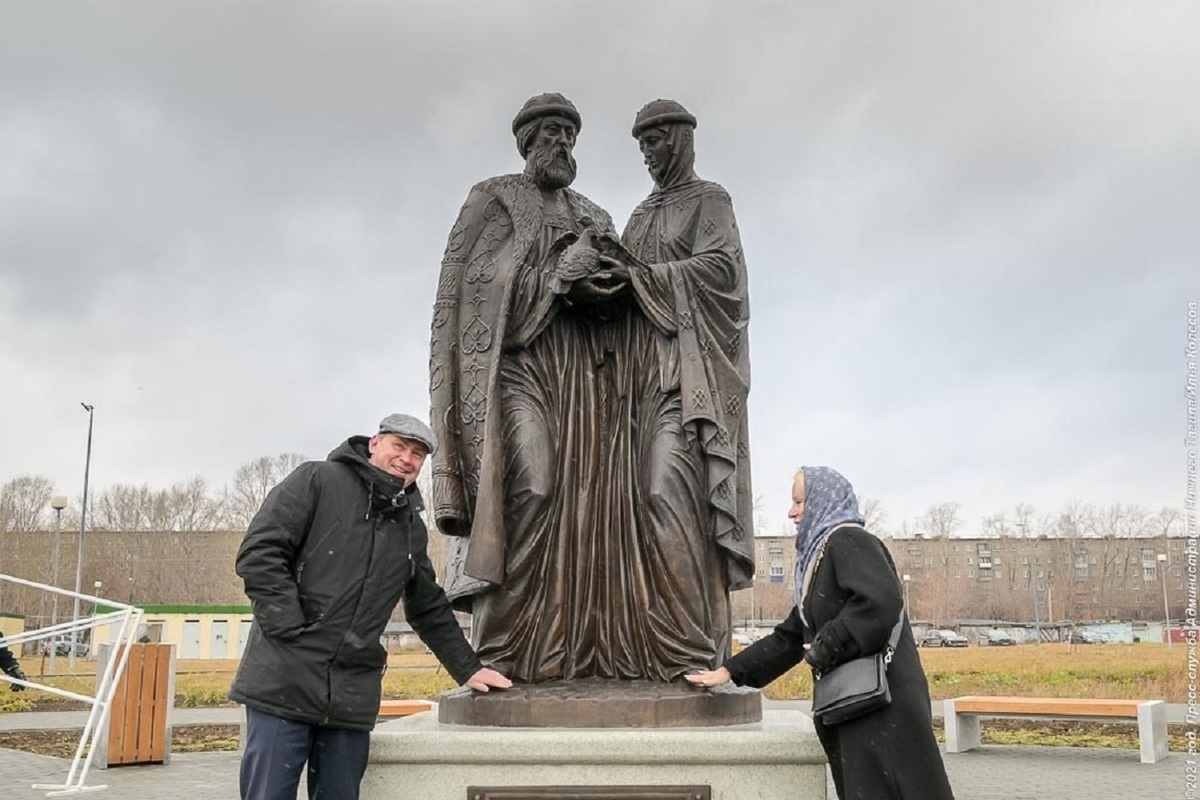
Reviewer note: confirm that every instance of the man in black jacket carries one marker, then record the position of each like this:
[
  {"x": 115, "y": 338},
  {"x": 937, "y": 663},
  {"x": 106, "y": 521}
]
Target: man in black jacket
[
  {"x": 325, "y": 560},
  {"x": 8, "y": 663}
]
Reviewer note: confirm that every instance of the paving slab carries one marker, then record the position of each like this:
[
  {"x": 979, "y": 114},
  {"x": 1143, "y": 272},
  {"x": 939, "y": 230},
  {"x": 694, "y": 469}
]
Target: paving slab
[{"x": 993, "y": 772}]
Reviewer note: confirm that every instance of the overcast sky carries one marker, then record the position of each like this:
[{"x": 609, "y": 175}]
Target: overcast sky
[{"x": 971, "y": 228}]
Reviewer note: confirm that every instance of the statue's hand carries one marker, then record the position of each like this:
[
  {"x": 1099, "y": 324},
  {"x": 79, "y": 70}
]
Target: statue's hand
[
  {"x": 614, "y": 268},
  {"x": 598, "y": 288}
]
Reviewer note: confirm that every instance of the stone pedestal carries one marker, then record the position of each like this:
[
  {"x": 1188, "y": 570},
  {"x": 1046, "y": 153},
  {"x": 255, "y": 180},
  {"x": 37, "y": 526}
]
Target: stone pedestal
[
  {"x": 419, "y": 758},
  {"x": 599, "y": 703}
]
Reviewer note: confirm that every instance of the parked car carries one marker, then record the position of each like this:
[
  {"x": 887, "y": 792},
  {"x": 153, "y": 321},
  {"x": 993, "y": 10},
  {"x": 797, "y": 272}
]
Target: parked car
[
  {"x": 996, "y": 638},
  {"x": 62, "y": 646},
  {"x": 1089, "y": 637},
  {"x": 943, "y": 638}
]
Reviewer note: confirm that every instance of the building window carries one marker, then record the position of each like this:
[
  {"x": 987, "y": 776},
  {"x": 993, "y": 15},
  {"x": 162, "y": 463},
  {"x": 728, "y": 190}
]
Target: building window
[
  {"x": 154, "y": 631},
  {"x": 1149, "y": 566}
]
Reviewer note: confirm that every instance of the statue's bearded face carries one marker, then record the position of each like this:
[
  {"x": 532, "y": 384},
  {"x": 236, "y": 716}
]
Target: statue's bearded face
[{"x": 549, "y": 161}]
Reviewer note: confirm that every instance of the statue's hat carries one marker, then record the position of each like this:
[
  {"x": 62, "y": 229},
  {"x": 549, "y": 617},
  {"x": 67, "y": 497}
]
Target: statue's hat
[
  {"x": 545, "y": 105},
  {"x": 660, "y": 112}
]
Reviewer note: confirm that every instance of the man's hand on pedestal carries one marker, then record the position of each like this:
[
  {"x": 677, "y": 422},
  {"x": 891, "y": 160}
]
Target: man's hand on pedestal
[{"x": 487, "y": 679}]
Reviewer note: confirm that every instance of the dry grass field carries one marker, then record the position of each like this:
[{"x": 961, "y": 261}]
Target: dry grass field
[
  {"x": 1124, "y": 671},
  {"x": 1134, "y": 671}
]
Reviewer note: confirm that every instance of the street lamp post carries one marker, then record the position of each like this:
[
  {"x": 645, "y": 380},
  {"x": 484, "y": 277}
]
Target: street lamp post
[
  {"x": 96, "y": 587},
  {"x": 907, "y": 603},
  {"x": 1035, "y": 601},
  {"x": 1162, "y": 568},
  {"x": 87, "y": 468},
  {"x": 58, "y": 503},
  {"x": 753, "y": 581}
]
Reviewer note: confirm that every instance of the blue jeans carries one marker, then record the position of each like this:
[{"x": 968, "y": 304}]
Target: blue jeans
[{"x": 277, "y": 749}]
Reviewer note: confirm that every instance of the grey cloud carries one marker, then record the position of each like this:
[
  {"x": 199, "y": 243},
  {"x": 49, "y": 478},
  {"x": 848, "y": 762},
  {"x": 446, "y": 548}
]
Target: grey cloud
[{"x": 970, "y": 229}]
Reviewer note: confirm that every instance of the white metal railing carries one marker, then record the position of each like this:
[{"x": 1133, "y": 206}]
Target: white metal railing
[{"x": 126, "y": 618}]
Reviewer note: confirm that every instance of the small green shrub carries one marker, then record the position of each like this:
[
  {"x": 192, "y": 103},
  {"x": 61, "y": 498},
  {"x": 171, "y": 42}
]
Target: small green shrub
[{"x": 14, "y": 701}]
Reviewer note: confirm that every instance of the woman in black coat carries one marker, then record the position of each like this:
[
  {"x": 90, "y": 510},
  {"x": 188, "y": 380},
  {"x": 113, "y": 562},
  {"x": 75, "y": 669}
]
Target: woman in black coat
[{"x": 848, "y": 601}]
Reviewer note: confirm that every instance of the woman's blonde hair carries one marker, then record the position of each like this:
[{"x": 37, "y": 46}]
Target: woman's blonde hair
[{"x": 798, "y": 480}]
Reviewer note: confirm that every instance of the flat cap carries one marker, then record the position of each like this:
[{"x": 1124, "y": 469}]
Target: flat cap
[
  {"x": 661, "y": 112},
  {"x": 545, "y": 105},
  {"x": 409, "y": 427}
]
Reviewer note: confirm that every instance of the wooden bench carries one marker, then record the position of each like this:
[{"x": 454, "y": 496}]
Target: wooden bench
[
  {"x": 962, "y": 716},
  {"x": 402, "y": 708}
]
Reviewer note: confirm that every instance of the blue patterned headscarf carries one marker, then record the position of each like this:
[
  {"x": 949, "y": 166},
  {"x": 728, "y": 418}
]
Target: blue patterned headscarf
[{"x": 829, "y": 501}]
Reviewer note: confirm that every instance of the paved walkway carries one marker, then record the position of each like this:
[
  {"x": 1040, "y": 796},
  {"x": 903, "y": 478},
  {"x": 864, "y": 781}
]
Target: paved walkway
[
  {"x": 990, "y": 773},
  {"x": 65, "y": 720}
]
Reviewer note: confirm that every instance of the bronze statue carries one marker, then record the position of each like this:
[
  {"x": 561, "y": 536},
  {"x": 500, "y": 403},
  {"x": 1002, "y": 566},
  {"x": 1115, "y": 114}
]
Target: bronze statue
[{"x": 590, "y": 397}]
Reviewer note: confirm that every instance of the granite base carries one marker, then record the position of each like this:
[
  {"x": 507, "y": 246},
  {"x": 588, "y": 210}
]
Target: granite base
[{"x": 419, "y": 758}]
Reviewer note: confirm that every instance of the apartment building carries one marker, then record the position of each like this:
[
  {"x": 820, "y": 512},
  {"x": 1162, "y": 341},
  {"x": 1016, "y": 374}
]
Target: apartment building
[{"x": 1005, "y": 578}]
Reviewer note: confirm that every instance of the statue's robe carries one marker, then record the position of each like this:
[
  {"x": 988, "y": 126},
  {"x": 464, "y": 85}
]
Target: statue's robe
[
  {"x": 694, "y": 295},
  {"x": 558, "y": 433}
]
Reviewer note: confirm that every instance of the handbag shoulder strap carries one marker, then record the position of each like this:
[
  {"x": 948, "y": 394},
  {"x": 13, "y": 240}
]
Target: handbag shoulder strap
[{"x": 894, "y": 639}]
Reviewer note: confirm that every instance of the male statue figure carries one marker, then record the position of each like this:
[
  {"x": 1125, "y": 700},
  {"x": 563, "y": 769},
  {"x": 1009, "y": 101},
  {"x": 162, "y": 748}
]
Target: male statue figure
[
  {"x": 607, "y": 514},
  {"x": 512, "y": 388}
]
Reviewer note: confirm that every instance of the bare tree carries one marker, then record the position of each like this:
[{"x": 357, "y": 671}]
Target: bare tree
[
  {"x": 942, "y": 520},
  {"x": 1023, "y": 519},
  {"x": 122, "y": 507},
  {"x": 769, "y": 523},
  {"x": 186, "y": 507},
  {"x": 253, "y": 481},
  {"x": 1071, "y": 553},
  {"x": 997, "y": 526},
  {"x": 1168, "y": 522},
  {"x": 23, "y": 503},
  {"x": 873, "y": 515},
  {"x": 1129, "y": 522}
]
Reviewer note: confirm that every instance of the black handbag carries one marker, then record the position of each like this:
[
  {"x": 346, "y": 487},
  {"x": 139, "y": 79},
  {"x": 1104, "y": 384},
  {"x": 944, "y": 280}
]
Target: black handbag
[{"x": 856, "y": 687}]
